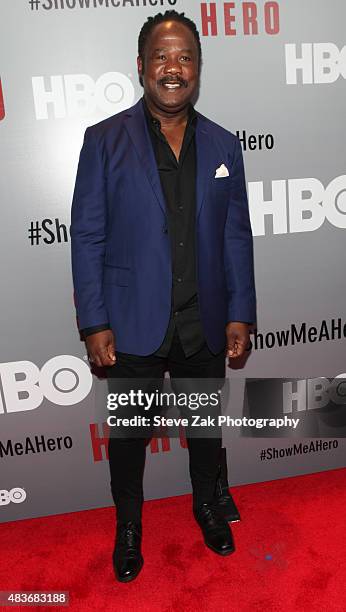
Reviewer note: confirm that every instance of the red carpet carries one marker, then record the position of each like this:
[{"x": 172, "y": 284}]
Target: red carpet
[{"x": 291, "y": 547}]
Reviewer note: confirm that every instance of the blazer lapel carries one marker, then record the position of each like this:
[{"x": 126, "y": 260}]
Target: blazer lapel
[
  {"x": 203, "y": 151},
  {"x": 138, "y": 131}
]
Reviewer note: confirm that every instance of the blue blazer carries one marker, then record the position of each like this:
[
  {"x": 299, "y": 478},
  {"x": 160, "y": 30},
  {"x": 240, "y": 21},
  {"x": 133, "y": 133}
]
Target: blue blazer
[{"x": 121, "y": 259}]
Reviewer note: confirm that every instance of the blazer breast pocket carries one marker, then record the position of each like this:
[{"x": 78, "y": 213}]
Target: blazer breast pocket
[
  {"x": 221, "y": 183},
  {"x": 116, "y": 275},
  {"x": 219, "y": 189}
]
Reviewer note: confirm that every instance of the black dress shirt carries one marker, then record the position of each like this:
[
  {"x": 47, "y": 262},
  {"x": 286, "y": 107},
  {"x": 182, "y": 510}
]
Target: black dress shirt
[{"x": 178, "y": 182}]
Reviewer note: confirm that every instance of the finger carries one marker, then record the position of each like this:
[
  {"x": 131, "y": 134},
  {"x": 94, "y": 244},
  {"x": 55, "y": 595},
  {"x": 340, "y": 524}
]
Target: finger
[
  {"x": 111, "y": 353},
  {"x": 107, "y": 361},
  {"x": 236, "y": 351},
  {"x": 242, "y": 346},
  {"x": 97, "y": 361},
  {"x": 240, "y": 350},
  {"x": 232, "y": 348},
  {"x": 104, "y": 357}
]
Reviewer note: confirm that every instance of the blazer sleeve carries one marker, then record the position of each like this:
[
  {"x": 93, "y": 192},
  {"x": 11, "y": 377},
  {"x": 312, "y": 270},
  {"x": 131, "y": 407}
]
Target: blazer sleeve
[
  {"x": 88, "y": 234},
  {"x": 238, "y": 247}
]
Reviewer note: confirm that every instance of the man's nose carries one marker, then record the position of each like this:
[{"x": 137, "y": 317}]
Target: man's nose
[{"x": 173, "y": 66}]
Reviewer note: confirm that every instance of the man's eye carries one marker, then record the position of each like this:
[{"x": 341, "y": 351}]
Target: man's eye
[
  {"x": 161, "y": 57},
  {"x": 186, "y": 58}
]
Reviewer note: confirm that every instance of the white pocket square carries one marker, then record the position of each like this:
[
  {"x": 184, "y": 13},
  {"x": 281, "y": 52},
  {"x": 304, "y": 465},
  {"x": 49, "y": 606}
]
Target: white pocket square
[{"x": 221, "y": 172}]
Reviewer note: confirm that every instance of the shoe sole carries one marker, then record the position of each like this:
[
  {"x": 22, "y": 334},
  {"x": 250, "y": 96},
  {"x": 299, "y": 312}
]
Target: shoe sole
[
  {"x": 130, "y": 578},
  {"x": 218, "y": 552},
  {"x": 231, "y": 519}
]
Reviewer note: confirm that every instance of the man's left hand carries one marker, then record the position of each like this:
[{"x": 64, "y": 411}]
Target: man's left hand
[{"x": 238, "y": 338}]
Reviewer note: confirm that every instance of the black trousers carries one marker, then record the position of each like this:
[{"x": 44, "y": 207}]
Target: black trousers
[{"x": 127, "y": 455}]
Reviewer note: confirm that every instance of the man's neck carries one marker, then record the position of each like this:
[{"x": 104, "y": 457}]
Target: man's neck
[{"x": 168, "y": 121}]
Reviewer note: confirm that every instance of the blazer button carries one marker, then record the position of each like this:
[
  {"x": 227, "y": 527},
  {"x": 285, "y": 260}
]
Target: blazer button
[{"x": 165, "y": 230}]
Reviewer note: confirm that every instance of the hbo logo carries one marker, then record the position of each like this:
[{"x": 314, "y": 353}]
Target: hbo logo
[
  {"x": 297, "y": 205},
  {"x": 64, "y": 380},
  {"x": 314, "y": 393},
  {"x": 78, "y": 95},
  {"x": 16, "y": 495},
  {"x": 317, "y": 63}
]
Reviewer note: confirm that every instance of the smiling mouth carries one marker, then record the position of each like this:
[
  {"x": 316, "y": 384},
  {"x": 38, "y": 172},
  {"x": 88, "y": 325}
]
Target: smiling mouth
[{"x": 173, "y": 85}]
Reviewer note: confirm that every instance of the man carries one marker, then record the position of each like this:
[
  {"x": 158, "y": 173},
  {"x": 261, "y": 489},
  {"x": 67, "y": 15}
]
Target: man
[{"x": 162, "y": 261}]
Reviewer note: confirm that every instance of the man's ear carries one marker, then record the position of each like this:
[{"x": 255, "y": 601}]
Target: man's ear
[{"x": 140, "y": 68}]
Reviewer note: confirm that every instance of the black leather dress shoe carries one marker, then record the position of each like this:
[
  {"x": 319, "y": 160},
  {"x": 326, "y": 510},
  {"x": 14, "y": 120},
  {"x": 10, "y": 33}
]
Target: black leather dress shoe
[
  {"x": 216, "y": 531},
  {"x": 127, "y": 557},
  {"x": 224, "y": 501}
]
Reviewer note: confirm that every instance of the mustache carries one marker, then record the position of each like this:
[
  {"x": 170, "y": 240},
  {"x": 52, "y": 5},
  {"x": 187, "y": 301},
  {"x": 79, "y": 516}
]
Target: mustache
[{"x": 177, "y": 79}]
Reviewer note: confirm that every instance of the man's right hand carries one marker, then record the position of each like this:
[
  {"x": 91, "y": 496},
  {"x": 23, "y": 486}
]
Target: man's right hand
[{"x": 101, "y": 348}]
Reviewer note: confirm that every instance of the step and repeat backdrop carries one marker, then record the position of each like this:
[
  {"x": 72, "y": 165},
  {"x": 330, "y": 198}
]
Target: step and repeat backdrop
[{"x": 274, "y": 74}]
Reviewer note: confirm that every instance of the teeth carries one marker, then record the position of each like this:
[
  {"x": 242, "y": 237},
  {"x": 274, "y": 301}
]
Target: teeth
[{"x": 172, "y": 85}]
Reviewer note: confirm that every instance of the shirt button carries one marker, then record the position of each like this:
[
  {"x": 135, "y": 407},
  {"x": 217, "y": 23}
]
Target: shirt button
[
  {"x": 179, "y": 279},
  {"x": 176, "y": 313},
  {"x": 180, "y": 207},
  {"x": 181, "y": 244}
]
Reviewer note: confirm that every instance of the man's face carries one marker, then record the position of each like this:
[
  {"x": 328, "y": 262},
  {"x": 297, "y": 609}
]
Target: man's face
[{"x": 170, "y": 71}]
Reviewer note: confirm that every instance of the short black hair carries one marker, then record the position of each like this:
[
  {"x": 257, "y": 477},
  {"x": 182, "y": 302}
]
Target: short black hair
[{"x": 172, "y": 15}]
